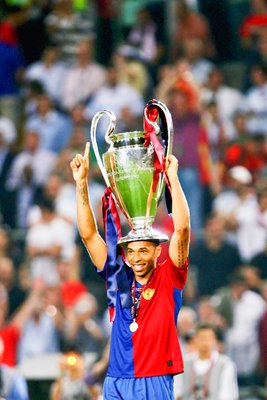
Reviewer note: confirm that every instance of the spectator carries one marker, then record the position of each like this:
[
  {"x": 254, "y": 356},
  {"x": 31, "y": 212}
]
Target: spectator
[
  {"x": 62, "y": 194},
  {"x": 13, "y": 385},
  {"x": 7, "y": 155},
  {"x": 237, "y": 206},
  {"x": 72, "y": 381},
  {"x": 125, "y": 102},
  {"x": 10, "y": 330},
  {"x": 213, "y": 257},
  {"x": 78, "y": 138},
  {"x": 236, "y": 136},
  {"x": 53, "y": 126},
  {"x": 208, "y": 314},
  {"x": 194, "y": 53},
  {"x": 186, "y": 325},
  {"x": 47, "y": 240},
  {"x": 191, "y": 25},
  {"x": 228, "y": 99},
  {"x": 84, "y": 78},
  {"x": 207, "y": 373},
  {"x": 252, "y": 276},
  {"x": 82, "y": 328},
  {"x": 190, "y": 145},
  {"x": 32, "y": 91},
  {"x": 243, "y": 309},
  {"x": 131, "y": 70},
  {"x": 253, "y": 23},
  {"x": 40, "y": 160},
  {"x": 67, "y": 26},
  {"x": 143, "y": 37},
  {"x": 40, "y": 333},
  {"x": 49, "y": 71},
  {"x": 218, "y": 133},
  {"x": 16, "y": 295},
  {"x": 246, "y": 150},
  {"x": 240, "y": 124},
  {"x": 28, "y": 20},
  {"x": 255, "y": 99},
  {"x": 29, "y": 171},
  {"x": 78, "y": 118}
]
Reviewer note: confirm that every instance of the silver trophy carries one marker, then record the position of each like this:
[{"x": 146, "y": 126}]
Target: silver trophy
[{"x": 128, "y": 168}]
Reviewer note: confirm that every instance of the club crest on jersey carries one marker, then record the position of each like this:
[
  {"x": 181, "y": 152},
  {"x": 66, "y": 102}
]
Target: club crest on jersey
[{"x": 148, "y": 293}]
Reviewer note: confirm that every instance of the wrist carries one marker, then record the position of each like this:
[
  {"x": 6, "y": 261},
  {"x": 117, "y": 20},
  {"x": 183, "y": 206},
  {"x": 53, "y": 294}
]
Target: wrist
[
  {"x": 81, "y": 181},
  {"x": 173, "y": 179}
]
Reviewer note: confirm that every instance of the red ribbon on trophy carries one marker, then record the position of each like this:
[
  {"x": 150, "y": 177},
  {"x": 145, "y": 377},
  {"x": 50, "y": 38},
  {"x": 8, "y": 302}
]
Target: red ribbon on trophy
[{"x": 151, "y": 113}]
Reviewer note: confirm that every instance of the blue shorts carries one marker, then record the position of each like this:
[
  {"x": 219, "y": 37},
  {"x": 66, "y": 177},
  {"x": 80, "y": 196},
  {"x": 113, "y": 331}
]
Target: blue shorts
[{"x": 151, "y": 388}]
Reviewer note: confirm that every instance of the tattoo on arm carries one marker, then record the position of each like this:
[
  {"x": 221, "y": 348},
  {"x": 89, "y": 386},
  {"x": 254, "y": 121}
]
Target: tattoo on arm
[
  {"x": 182, "y": 251},
  {"x": 83, "y": 194}
]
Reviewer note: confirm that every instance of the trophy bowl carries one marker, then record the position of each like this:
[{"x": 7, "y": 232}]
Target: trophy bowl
[{"x": 129, "y": 169}]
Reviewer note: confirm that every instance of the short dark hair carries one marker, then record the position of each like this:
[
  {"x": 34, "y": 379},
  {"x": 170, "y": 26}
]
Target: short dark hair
[
  {"x": 237, "y": 278},
  {"x": 47, "y": 204},
  {"x": 205, "y": 325}
]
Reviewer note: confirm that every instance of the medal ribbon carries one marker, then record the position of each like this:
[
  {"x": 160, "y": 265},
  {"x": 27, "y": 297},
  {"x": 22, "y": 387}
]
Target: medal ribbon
[
  {"x": 116, "y": 276},
  {"x": 136, "y": 294},
  {"x": 152, "y": 113}
]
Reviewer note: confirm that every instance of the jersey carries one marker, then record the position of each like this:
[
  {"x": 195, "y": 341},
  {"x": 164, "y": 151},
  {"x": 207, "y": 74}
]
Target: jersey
[
  {"x": 10, "y": 335},
  {"x": 153, "y": 349}
]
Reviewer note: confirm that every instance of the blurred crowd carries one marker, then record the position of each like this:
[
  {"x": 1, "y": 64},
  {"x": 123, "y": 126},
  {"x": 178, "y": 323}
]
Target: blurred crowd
[{"x": 61, "y": 62}]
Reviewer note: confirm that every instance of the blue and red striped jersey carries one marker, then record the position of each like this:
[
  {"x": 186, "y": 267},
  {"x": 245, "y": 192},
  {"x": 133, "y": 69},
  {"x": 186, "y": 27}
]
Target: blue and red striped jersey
[{"x": 153, "y": 349}]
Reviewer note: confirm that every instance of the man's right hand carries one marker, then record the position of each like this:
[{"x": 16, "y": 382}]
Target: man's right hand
[{"x": 80, "y": 164}]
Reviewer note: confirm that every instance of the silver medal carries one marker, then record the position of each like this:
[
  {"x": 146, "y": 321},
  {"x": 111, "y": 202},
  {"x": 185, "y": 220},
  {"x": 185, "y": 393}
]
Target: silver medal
[{"x": 133, "y": 326}]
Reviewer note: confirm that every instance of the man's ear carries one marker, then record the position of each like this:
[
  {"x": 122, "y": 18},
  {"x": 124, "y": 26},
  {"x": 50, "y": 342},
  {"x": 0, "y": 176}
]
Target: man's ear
[{"x": 158, "y": 251}]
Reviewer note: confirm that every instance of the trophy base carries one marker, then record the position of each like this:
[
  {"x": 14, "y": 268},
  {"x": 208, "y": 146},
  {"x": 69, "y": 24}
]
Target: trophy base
[{"x": 147, "y": 234}]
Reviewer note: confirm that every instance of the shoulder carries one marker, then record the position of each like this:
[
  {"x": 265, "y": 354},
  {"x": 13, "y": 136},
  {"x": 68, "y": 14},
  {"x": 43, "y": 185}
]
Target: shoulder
[
  {"x": 223, "y": 359},
  {"x": 176, "y": 275},
  {"x": 254, "y": 298},
  {"x": 9, "y": 330}
]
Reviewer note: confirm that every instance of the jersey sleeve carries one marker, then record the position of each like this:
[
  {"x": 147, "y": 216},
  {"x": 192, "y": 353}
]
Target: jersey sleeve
[{"x": 178, "y": 275}]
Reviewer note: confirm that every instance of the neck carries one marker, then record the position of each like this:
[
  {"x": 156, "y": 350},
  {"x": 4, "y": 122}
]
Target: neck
[
  {"x": 143, "y": 280},
  {"x": 213, "y": 243},
  {"x": 84, "y": 62},
  {"x": 204, "y": 355}
]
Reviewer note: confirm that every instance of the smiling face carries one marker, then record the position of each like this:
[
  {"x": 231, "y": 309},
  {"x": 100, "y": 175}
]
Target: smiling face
[{"x": 142, "y": 256}]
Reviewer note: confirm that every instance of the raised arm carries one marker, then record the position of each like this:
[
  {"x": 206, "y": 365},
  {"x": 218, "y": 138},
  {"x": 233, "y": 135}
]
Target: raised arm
[
  {"x": 85, "y": 217},
  {"x": 179, "y": 244}
]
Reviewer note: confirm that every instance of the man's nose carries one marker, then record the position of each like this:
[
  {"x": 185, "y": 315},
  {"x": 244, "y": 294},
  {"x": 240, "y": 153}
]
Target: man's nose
[{"x": 136, "y": 257}]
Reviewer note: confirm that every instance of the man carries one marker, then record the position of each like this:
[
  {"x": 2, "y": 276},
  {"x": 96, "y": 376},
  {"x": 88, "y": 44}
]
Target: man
[
  {"x": 243, "y": 310},
  {"x": 213, "y": 257},
  {"x": 121, "y": 98},
  {"x": 13, "y": 385},
  {"x": 144, "y": 349},
  {"x": 53, "y": 126},
  {"x": 84, "y": 78},
  {"x": 237, "y": 206},
  {"x": 7, "y": 155},
  {"x": 208, "y": 375},
  {"x": 48, "y": 239}
]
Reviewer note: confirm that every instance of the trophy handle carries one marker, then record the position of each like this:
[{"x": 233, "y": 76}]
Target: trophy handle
[
  {"x": 111, "y": 127},
  {"x": 166, "y": 131}
]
